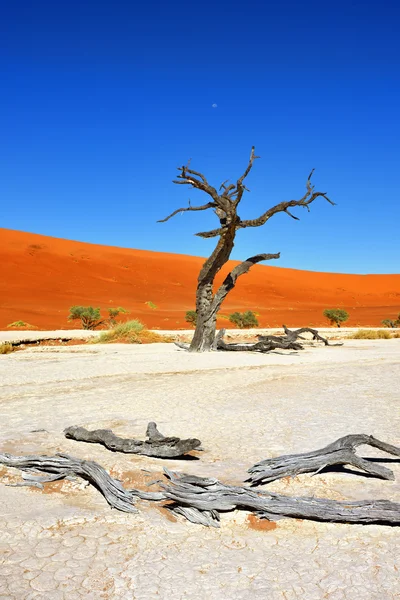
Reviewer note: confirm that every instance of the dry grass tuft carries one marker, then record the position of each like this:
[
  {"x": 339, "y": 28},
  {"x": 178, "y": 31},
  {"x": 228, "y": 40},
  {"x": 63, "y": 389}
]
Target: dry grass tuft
[
  {"x": 21, "y": 325},
  {"x": 370, "y": 334},
  {"x": 130, "y": 332},
  {"x": 6, "y": 348}
]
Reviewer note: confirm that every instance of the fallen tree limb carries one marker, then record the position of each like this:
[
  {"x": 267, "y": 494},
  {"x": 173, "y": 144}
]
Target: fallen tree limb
[
  {"x": 340, "y": 452},
  {"x": 261, "y": 346},
  {"x": 157, "y": 445},
  {"x": 266, "y": 343},
  {"x": 63, "y": 465},
  {"x": 200, "y": 500},
  {"x": 293, "y": 335}
]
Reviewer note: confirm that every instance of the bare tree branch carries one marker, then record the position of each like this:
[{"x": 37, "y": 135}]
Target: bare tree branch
[
  {"x": 189, "y": 208},
  {"x": 230, "y": 280},
  {"x": 197, "y": 180},
  {"x": 239, "y": 185},
  {"x": 304, "y": 202}
]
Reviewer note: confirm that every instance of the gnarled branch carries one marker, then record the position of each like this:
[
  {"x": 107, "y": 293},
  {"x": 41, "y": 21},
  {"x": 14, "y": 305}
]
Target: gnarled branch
[
  {"x": 63, "y": 465},
  {"x": 263, "y": 347},
  {"x": 230, "y": 280},
  {"x": 340, "y": 452},
  {"x": 189, "y": 208},
  {"x": 157, "y": 445},
  {"x": 197, "y": 180},
  {"x": 292, "y": 336},
  {"x": 303, "y": 202},
  {"x": 210, "y": 496}
]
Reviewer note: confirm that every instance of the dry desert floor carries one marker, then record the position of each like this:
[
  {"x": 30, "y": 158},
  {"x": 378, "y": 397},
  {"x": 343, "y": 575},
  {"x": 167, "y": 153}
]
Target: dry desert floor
[{"x": 64, "y": 542}]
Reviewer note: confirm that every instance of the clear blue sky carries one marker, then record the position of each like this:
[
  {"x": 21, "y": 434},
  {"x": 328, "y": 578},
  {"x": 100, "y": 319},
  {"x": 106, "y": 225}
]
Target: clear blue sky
[{"x": 101, "y": 101}]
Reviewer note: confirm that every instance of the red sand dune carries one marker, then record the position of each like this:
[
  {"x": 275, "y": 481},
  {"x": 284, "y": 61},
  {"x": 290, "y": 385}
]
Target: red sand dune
[{"x": 41, "y": 277}]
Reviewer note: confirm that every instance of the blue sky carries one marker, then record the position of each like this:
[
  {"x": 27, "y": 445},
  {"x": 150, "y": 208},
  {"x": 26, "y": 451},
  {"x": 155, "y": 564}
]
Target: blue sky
[{"x": 101, "y": 101}]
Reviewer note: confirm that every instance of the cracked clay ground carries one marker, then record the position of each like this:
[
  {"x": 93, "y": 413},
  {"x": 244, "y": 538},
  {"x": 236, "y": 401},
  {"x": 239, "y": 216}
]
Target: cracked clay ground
[{"x": 64, "y": 542}]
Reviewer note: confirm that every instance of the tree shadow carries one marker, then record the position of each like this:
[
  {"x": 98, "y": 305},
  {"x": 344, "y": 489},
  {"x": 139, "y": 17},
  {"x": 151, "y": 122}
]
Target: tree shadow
[{"x": 381, "y": 460}]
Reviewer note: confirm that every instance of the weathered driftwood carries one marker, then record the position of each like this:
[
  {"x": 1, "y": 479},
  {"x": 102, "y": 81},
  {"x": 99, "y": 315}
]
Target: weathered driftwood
[
  {"x": 261, "y": 346},
  {"x": 63, "y": 465},
  {"x": 340, "y": 452},
  {"x": 294, "y": 335},
  {"x": 157, "y": 445},
  {"x": 200, "y": 499}
]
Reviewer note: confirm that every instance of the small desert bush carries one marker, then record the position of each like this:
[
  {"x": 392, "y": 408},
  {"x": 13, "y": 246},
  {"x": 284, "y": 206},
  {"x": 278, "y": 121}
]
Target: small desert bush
[
  {"x": 371, "y": 334},
  {"x": 391, "y": 322},
  {"x": 191, "y": 317},
  {"x": 336, "y": 315},
  {"x": 151, "y": 305},
  {"x": 244, "y": 320},
  {"x": 131, "y": 332},
  {"x": 90, "y": 317},
  {"x": 21, "y": 324},
  {"x": 6, "y": 348}
]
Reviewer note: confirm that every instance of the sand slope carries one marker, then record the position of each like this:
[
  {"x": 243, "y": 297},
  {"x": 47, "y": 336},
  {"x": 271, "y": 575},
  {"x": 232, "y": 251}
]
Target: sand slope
[{"x": 41, "y": 277}]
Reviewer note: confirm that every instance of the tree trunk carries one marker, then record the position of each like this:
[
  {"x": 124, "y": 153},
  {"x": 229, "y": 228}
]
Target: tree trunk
[
  {"x": 203, "y": 338},
  {"x": 206, "y": 306}
]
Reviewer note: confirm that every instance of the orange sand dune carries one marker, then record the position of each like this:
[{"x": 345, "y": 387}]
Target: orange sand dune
[{"x": 41, "y": 277}]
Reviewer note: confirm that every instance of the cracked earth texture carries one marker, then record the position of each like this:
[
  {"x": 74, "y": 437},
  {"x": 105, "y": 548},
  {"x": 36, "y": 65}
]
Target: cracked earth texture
[{"x": 64, "y": 542}]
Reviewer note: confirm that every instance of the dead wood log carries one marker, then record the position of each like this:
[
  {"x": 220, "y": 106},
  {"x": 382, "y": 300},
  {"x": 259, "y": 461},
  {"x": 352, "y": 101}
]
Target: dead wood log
[
  {"x": 266, "y": 343},
  {"x": 340, "y": 452},
  {"x": 206, "y": 497},
  {"x": 157, "y": 445},
  {"x": 63, "y": 465},
  {"x": 293, "y": 335},
  {"x": 200, "y": 499},
  {"x": 262, "y": 346}
]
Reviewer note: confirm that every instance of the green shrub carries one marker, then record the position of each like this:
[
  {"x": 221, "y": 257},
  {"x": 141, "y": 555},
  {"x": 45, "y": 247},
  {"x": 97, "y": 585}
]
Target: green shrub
[
  {"x": 244, "y": 320},
  {"x": 113, "y": 314},
  {"x": 392, "y": 322},
  {"x": 90, "y": 317},
  {"x": 336, "y": 315},
  {"x": 191, "y": 317},
  {"x": 371, "y": 334}
]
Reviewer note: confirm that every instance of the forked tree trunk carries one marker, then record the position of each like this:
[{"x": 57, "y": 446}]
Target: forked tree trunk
[
  {"x": 208, "y": 304},
  {"x": 225, "y": 205}
]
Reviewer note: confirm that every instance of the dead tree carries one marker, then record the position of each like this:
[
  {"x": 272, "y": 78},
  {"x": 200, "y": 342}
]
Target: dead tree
[{"x": 224, "y": 203}]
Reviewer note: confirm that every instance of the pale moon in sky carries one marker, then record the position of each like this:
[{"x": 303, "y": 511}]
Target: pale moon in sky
[{"x": 214, "y": 105}]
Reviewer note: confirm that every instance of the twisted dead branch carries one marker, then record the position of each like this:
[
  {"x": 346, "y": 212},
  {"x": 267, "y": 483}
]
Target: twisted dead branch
[
  {"x": 340, "y": 452},
  {"x": 157, "y": 445},
  {"x": 200, "y": 500}
]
